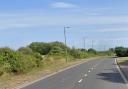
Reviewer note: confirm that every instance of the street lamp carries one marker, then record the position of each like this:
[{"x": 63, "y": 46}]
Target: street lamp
[{"x": 65, "y": 40}]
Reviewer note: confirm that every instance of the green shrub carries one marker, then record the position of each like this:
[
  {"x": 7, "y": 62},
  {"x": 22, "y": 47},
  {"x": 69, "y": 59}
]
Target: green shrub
[
  {"x": 121, "y": 51},
  {"x": 92, "y": 51},
  {"x": 46, "y": 48},
  {"x": 27, "y": 53},
  {"x": 57, "y": 51},
  {"x": 19, "y": 61},
  {"x": 78, "y": 53},
  {"x": 1, "y": 70},
  {"x": 25, "y": 50},
  {"x": 40, "y": 47},
  {"x": 10, "y": 58}
]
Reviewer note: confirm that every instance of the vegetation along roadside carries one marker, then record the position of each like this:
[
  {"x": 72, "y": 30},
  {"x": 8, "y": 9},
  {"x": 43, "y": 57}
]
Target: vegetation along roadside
[{"x": 38, "y": 59}]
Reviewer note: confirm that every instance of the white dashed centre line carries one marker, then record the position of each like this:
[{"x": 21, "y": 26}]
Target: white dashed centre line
[
  {"x": 89, "y": 71},
  {"x": 80, "y": 80},
  {"x": 85, "y": 75}
]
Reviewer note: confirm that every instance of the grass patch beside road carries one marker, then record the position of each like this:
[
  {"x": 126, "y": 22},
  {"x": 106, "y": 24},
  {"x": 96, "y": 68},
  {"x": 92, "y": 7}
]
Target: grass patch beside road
[{"x": 122, "y": 60}]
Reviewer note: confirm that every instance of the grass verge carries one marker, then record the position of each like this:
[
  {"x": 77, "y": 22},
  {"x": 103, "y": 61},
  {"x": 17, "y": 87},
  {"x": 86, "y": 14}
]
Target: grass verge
[{"x": 122, "y": 60}]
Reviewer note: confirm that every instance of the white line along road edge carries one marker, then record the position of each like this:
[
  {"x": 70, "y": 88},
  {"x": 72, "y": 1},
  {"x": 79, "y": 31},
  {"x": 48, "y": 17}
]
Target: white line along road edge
[{"x": 121, "y": 73}]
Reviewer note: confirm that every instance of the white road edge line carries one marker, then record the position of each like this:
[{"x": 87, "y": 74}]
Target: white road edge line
[
  {"x": 30, "y": 83},
  {"x": 80, "y": 80},
  {"x": 122, "y": 75}
]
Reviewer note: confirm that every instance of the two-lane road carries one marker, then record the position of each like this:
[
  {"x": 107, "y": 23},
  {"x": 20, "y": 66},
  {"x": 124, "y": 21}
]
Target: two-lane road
[{"x": 95, "y": 74}]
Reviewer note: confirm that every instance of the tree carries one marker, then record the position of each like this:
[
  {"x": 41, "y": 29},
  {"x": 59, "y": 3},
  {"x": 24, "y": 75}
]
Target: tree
[
  {"x": 40, "y": 47},
  {"x": 25, "y": 50},
  {"x": 45, "y": 48},
  {"x": 121, "y": 51},
  {"x": 92, "y": 51},
  {"x": 57, "y": 51},
  {"x": 10, "y": 60}
]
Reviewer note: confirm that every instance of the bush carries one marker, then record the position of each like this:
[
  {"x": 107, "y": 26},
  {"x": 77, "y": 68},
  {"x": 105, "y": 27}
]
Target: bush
[
  {"x": 57, "y": 51},
  {"x": 28, "y": 51},
  {"x": 25, "y": 50},
  {"x": 93, "y": 51},
  {"x": 46, "y": 48},
  {"x": 29, "y": 58},
  {"x": 78, "y": 53},
  {"x": 9, "y": 60},
  {"x": 121, "y": 51},
  {"x": 19, "y": 61},
  {"x": 40, "y": 47}
]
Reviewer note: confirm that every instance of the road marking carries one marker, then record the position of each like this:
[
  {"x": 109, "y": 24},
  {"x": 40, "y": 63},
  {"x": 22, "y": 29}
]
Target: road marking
[
  {"x": 89, "y": 71},
  {"x": 85, "y": 75},
  {"x": 80, "y": 80},
  {"x": 122, "y": 75}
]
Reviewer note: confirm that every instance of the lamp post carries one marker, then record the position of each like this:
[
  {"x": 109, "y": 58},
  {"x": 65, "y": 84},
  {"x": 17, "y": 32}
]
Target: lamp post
[
  {"x": 65, "y": 40},
  {"x": 92, "y": 44},
  {"x": 84, "y": 42}
]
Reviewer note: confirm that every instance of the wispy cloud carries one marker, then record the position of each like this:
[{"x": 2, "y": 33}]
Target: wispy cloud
[
  {"x": 63, "y": 5},
  {"x": 29, "y": 20}
]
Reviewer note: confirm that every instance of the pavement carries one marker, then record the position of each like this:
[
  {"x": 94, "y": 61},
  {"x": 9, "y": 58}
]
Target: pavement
[{"x": 101, "y": 73}]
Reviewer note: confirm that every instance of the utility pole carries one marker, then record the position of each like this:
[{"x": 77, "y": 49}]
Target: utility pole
[
  {"x": 92, "y": 44},
  {"x": 84, "y": 43},
  {"x": 104, "y": 48},
  {"x": 84, "y": 46},
  {"x": 65, "y": 40}
]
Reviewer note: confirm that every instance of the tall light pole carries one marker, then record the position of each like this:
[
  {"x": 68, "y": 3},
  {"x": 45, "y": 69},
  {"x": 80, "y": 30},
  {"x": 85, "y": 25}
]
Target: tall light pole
[
  {"x": 84, "y": 46},
  {"x": 84, "y": 42},
  {"x": 65, "y": 40},
  {"x": 92, "y": 44}
]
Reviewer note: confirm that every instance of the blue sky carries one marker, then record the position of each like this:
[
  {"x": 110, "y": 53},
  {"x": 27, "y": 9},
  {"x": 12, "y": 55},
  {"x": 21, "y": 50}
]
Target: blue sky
[{"x": 103, "y": 21}]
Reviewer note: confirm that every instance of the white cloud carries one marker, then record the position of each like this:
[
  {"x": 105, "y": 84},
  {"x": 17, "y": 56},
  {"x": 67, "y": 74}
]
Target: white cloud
[{"x": 63, "y": 5}]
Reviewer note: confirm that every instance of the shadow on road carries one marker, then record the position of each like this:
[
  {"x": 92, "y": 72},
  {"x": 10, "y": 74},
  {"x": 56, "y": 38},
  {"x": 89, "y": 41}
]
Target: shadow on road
[{"x": 111, "y": 76}]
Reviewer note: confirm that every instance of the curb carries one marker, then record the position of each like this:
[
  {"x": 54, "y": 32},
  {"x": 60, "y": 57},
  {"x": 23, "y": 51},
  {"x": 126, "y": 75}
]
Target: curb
[{"x": 122, "y": 73}]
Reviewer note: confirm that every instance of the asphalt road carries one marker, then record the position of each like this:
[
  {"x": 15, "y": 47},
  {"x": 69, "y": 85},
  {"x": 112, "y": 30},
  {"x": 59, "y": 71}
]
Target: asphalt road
[{"x": 95, "y": 74}]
